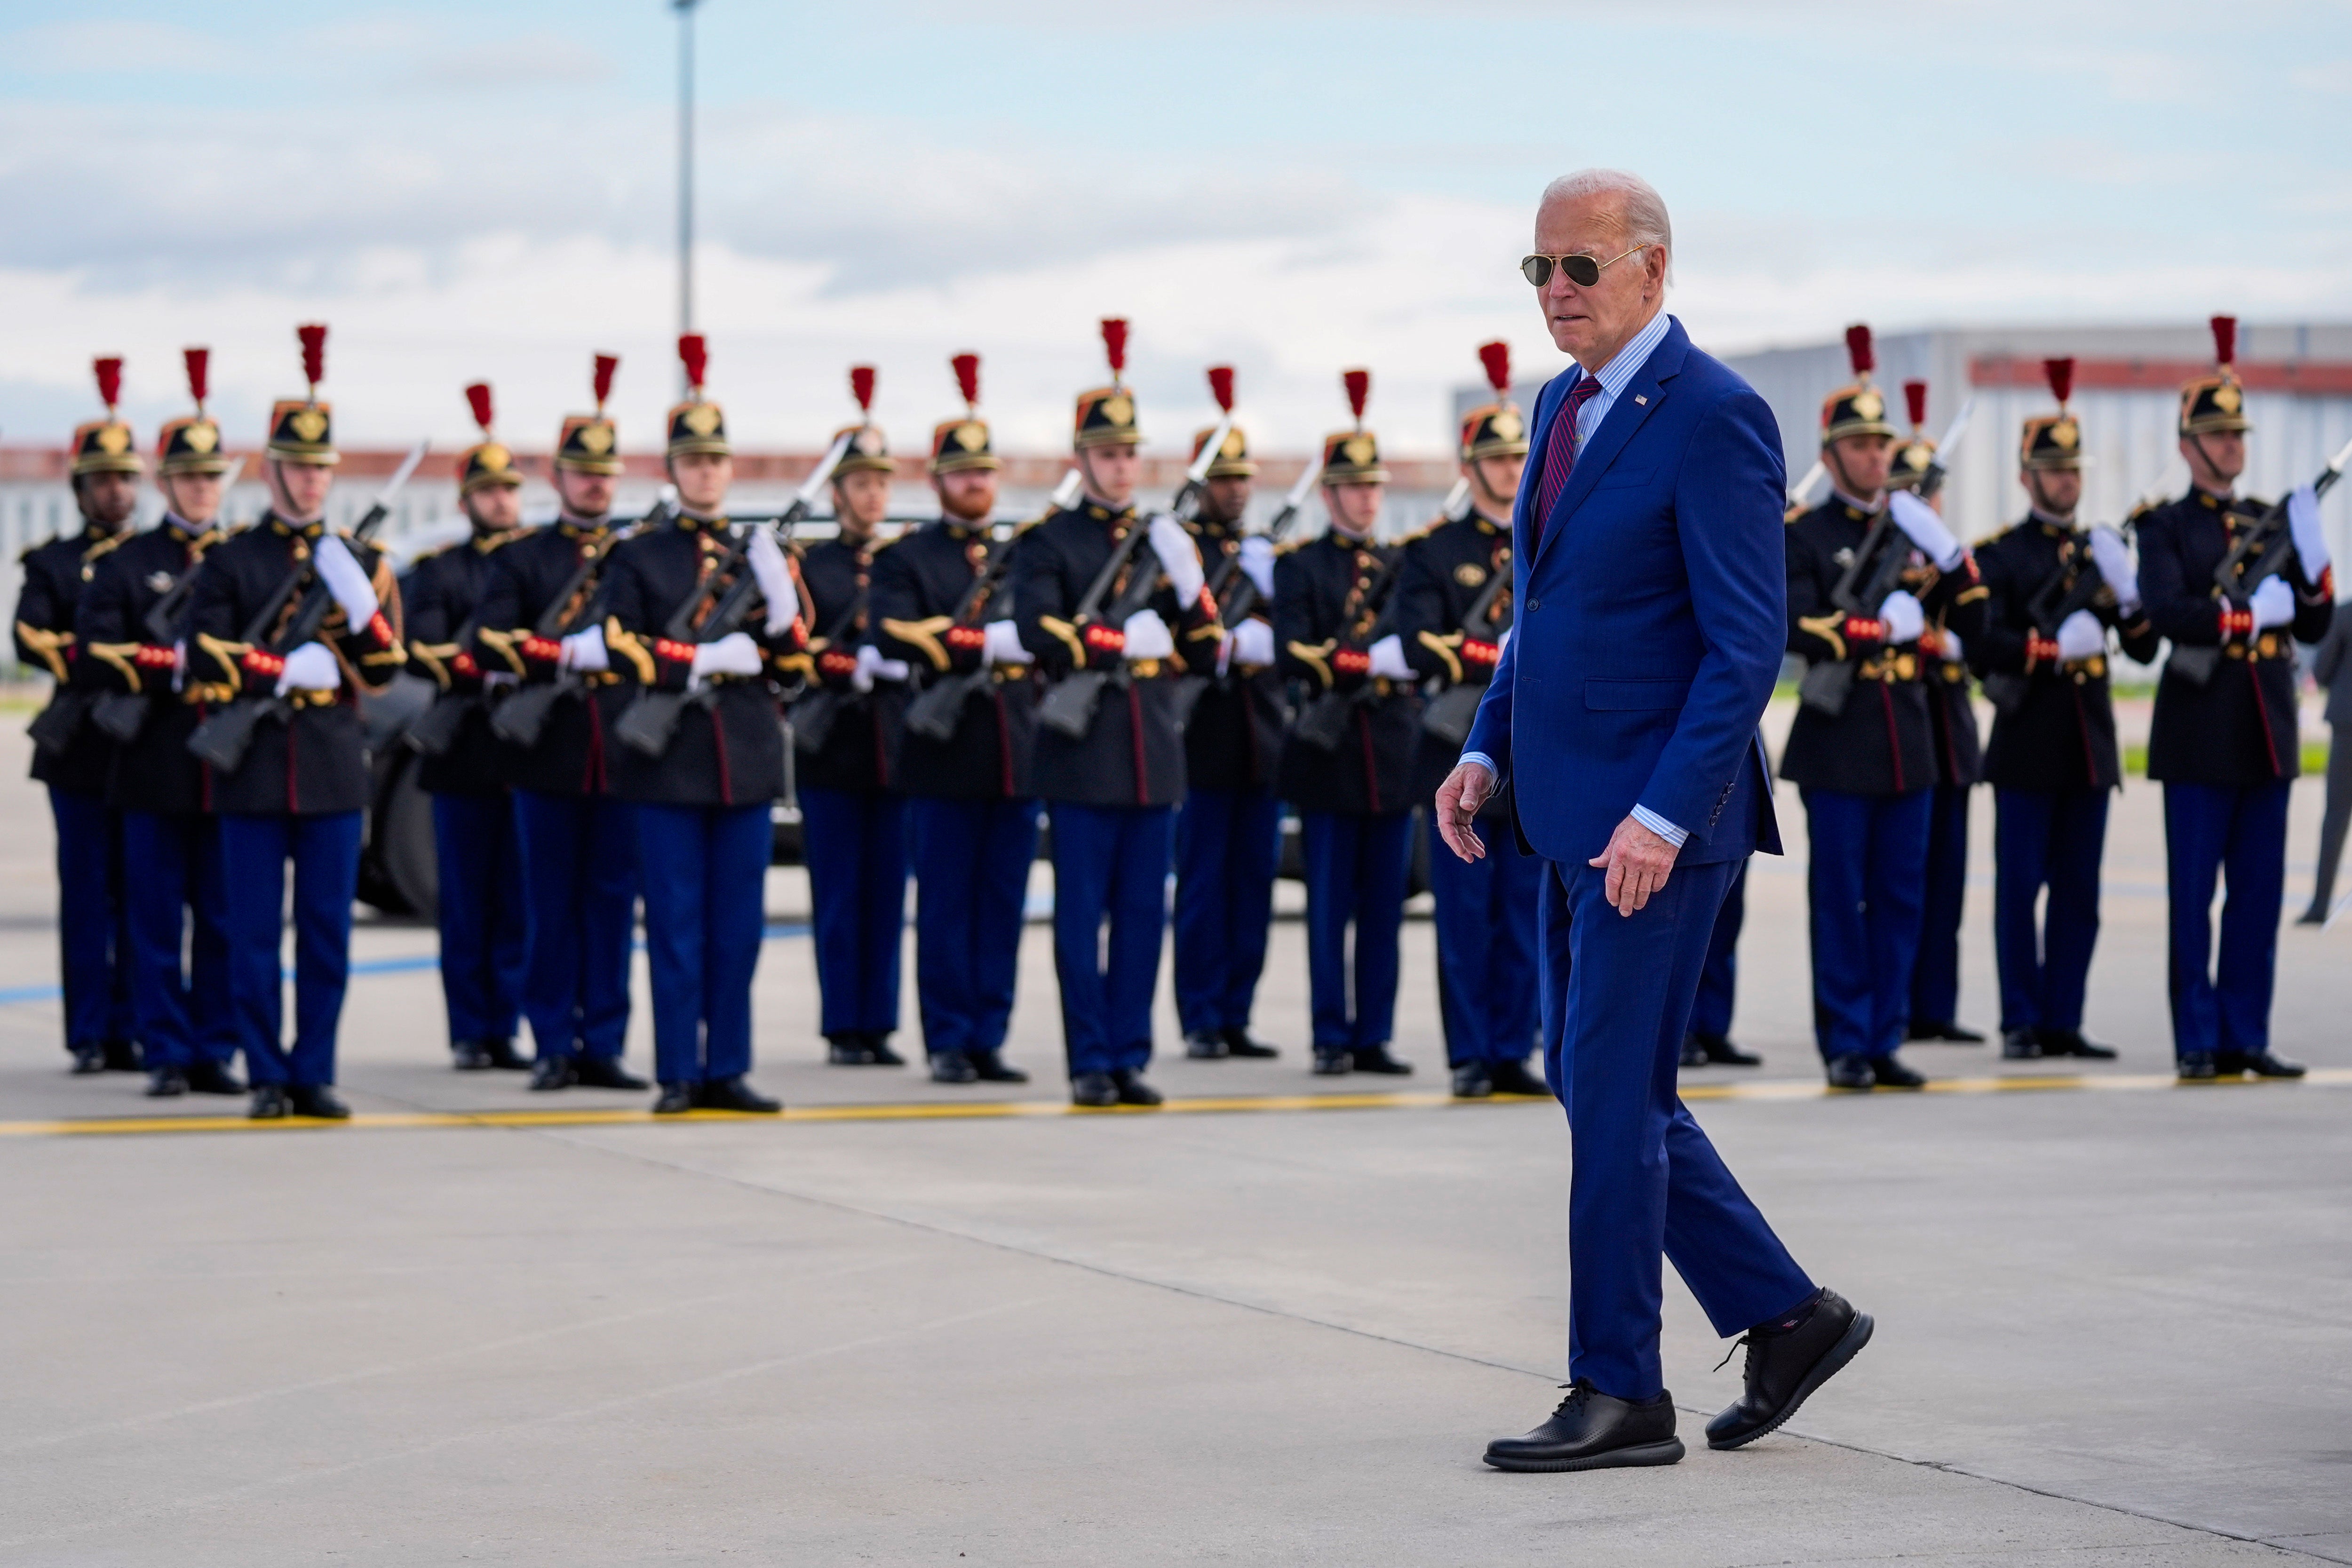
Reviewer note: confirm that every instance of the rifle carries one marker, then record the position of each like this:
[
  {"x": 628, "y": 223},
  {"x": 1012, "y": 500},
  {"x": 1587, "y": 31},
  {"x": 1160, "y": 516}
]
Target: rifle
[
  {"x": 649, "y": 722},
  {"x": 814, "y": 715},
  {"x": 2264, "y": 549},
  {"x": 1450, "y": 713},
  {"x": 1236, "y": 599},
  {"x": 522, "y": 719},
  {"x": 938, "y": 709},
  {"x": 1070, "y": 702},
  {"x": 121, "y": 714},
  {"x": 222, "y": 739},
  {"x": 1324, "y": 722}
]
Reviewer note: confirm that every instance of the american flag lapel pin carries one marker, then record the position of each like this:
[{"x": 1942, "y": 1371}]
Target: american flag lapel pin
[{"x": 1640, "y": 401}]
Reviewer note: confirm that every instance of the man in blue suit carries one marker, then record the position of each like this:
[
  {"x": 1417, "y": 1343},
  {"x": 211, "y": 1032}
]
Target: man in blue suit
[{"x": 1647, "y": 565}]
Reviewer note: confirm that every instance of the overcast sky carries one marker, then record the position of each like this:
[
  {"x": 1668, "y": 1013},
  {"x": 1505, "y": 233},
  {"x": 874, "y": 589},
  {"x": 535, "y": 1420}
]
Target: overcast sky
[{"x": 486, "y": 190}]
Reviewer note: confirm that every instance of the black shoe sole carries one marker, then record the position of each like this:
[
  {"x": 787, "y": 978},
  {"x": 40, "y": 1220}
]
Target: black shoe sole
[
  {"x": 1857, "y": 1334},
  {"x": 1666, "y": 1453}
]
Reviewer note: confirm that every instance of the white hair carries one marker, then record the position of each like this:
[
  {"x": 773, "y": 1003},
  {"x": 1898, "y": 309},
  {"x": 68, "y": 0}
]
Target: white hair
[{"x": 1643, "y": 209}]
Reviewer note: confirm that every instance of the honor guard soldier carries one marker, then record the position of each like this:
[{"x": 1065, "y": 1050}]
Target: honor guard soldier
[
  {"x": 1229, "y": 832},
  {"x": 300, "y": 790},
  {"x": 1454, "y": 610},
  {"x": 1861, "y": 749},
  {"x": 1352, "y": 779},
  {"x": 1959, "y": 764},
  {"x": 2055, "y": 591},
  {"x": 72, "y": 755},
  {"x": 853, "y": 819},
  {"x": 703, "y": 829},
  {"x": 941, "y": 605},
  {"x": 2225, "y": 747},
  {"x": 540, "y": 621},
  {"x": 485, "y": 927},
  {"x": 1113, "y": 777},
  {"x": 133, "y": 623}
]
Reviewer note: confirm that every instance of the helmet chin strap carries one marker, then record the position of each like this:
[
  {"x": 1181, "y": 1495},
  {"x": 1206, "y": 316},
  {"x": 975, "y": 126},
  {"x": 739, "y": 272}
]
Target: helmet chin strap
[
  {"x": 2197, "y": 439},
  {"x": 2042, "y": 502}
]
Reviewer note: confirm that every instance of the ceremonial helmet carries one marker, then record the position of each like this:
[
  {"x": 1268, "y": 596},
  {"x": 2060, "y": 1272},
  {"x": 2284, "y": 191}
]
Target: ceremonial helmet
[
  {"x": 1858, "y": 408},
  {"x": 1232, "y": 459},
  {"x": 1495, "y": 429},
  {"x": 190, "y": 444},
  {"x": 2216, "y": 402},
  {"x": 105, "y": 446},
  {"x": 1353, "y": 457},
  {"x": 696, "y": 425},
  {"x": 488, "y": 461},
  {"x": 1106, "y": 414},
  {"x": 1912, "y": 456},
  {"x": 960, "y": 444},
  {"x": 303, "y": 430},
  {"x": 591, "y": 443},
  {"x": 868, "y": 452},
  {"x": 2054, "y": 440}
]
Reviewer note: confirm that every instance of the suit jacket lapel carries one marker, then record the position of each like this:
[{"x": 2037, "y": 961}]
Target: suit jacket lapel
[{"x": 1641, "y": 398}]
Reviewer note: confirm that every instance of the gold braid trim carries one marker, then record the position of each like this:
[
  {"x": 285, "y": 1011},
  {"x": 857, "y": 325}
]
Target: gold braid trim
[
  {"x": 923, "y": 635},
  {"x": 1068, "y": 634},
  {"x": 122, "y": 657},
  {"x": 1828, "y": 628},
  {"x": 503, "y": 644},
  {"x": 434, "y": 658},
  {"x": 1317, "y": 658},
  {"x": 226, "y": 654},
  {"x": 48, "y": 647},
  {"x": 1444, "y": 648},
  {"x": 626, "y": 644}
]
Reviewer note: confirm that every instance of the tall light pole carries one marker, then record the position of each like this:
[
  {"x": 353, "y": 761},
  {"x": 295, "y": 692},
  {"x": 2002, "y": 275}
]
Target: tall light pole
[{"x": 685, "y": 9}]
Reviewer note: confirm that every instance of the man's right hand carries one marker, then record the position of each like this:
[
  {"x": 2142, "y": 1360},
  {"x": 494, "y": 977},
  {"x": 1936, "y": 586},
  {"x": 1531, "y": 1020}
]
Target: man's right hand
[{"x": 1465, "y": 789}]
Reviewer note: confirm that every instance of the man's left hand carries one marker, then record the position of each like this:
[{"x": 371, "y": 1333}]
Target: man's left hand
[{"x": 1638, "y": 862}]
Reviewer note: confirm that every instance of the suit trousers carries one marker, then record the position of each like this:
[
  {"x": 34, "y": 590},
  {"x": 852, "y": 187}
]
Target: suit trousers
[
  {"x": 1868, "y": 866},
  {"x": 93, "y": 940},
  {"x": 1228, "y": 849},
  {"x": 580, "y": 880},
  {"x": 178, "y": 901},
  {"x": 1486, "y": 920},
  {"x": 485, "y": 922},
  {"x": 1718, "y": 978},
  {"x": 2336, "y": 817},
  {"x": 2053, "y": 839},
  {"x": 1110, "y": 864},
  {"x": 854, "y": 846},
  {"x": 1936, "y": 976},
  {"x": 1357, "y": 866},
  {"x": 705, "y": 871},
  {"x": 2241, "y": 833},
  {"x": 972, "y": 861},
  {"x": 325, "y": 852},
  {"x": 1645, "y": 1182}
]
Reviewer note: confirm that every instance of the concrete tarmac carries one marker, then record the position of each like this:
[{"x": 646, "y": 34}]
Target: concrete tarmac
[{"x": 2112, "y": 1320}]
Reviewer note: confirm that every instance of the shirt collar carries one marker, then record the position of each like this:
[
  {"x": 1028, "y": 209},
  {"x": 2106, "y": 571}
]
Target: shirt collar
[
  {"x": 582, "y": 526},
  {"x": 311, "y": 530},
  {"x": 2051, "y": 519},
  {"x": 191, "y": 530},
  {"x": 1633, "y": 355},
  {"x": 1859, "y": 508}
]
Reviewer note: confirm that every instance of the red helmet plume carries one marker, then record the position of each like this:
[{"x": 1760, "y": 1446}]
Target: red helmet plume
[
  {"x": 694, "y": 355},
  {"x": 1858, "y": 348},
  {"x": 1114, "y": 331},
  {"x": 1359, "y": 384},
  {"x": 967, "y": 374},
  {"x": 1915, "y": 399},
  {"x": 861, "y": 387},
  {"x": 314, "y": 353},
  {"x": 110, "y": 383},
  {"x": 1496, "y": 357},
  {"x": 477, "y": 399},
  {"x": 2225, "y": 339},
  {"x": 1221, "y": 386},
  {"x": 199, "y": 362},
  {"x": 605, "y": 365},
  {"x": 2060, "y": 373}
]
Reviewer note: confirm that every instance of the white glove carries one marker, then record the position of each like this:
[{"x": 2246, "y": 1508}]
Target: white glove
[
  {"x": 775, "y": 580},
  {"x": 734, "y": 654},
  {"x": 1951, "y": 640},
  {"x": 1904, "y": 618},
  {"x": 1388, "y": 658},
  {"x": 1002, "y": 644},
  {"x": 346, "y": 580},
  {"x": 2272, "y": 604},
  {"x": 1919, "y": 520},
  {"x": 1251, "y": 643},
  {"x": 1178, "y": 557},
  {"x": 872, "y": 666},
  {"x": 2310, "y": 539},
  {"x": 583, "y": 651},
  {"x": 311, "y": 668},
  {"x": 1257, "y": 564},
  {"x": 179, "y": 664},
  {"x": 1148, "y": 636},
  {"x": 2113, "y": 558},
  {"x": 2080, "y": 636}
]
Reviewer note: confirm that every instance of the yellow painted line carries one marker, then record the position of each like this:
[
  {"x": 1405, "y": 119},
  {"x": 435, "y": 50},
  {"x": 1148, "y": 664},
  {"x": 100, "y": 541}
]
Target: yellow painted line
[{"x": 1002, "y": 1110}]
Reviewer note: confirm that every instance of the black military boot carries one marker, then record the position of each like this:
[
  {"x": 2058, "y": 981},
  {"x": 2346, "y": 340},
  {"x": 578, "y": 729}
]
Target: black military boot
[
  {"x": 604, "y": 1072},
  {"x": 2021, "y": 1044},
  {"x": 1239, "y": 1043},
  {"x": 505, "y": 1058},
  {"x": 1942, "y": 1031},
  {"x": 1205, "y": 1044},
  {"x": 166, "y": 1083},
  {"x": 1787, "y": 1359},
  {"x": 1096, "y": 1090},
  {"x": 1851, "y": 1072},
  {"x": 125, "y": 1055},
  {"x": 212, "y": 1078},
  {"x": 1132, "y": 1089},
  {"x": 675, "y": 1100},
  {"x": 2261, "y": 1064},
  {"x": 1594, "y": 1431},
  {"x": 89, "y": 1056},
  {"x": 2069, "y": 1042},
  {"x": 318, "y": 1100},
  {"x": 1471, "y": 1082},
  {"x": 990, "y": 1068},
  {"x": 1717, "y": 1050},
  {"x": 1333, "y": 1063},
  {"x": 1889, "y": 1073},
  {"x": 1376, "y": 1058},
  {"x": 847, "y": 1051},
  {"x": 470, "y": 1056},
  {"x": 953, "y": 1066},
  {"x": 1512, "y": 1078},
  {"x": 2198, "y": 1066},
  {"x": 879, "y": 1052},
  {"x": 268, "y": 1103},
  {"x": 736, "y": 1094},
  {"x": 554, "y": 1072}
]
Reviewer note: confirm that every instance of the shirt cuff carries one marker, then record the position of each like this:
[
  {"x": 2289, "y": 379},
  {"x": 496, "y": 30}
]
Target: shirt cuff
[
  {"x": 1484, "y": 760},
  {"x": 1658, "y": 825}
]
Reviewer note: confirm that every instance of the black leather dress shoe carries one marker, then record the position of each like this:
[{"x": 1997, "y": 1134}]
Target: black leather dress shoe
[
  {"x": 2070, "y": 1043},
  {"x": 1785, "y": 1361},
  {"x": 1238, "y": 1043},
  {"x": 268, "y": 1103},
  {"x": 2021, "y": 1044},
  {"x": 1694, "y": 1054},
  {"x": 675, "y": 1100},
  {"x": 1594, "y": 1431},
  {"x": 2315, "y": 916},
  {"x": 879, "y": 1054},
  {"x": 1471, "y": 1082},
  {"x": 990, "y": 1069},
  {"x": 1132, "y": 1089},
  {"x": 503, "y": 1055},
  {"x": 736, "y": 1094},
  {"x": 1717, "y": 1050},
  {"x": 1376, "y": 1058},
  {"x": 953, "y": 1066},
  {"x": 848, "y": 1051},
  {"x": 1942, "y": 1031},
  {"x": 1851, "y": 1072},
  {"x": 554, "y": 1072},
  {"x": 1889, "y": 1073},
  {"x": 317, "y": 1099},
  {"x": 212, "y": 1078},
  {"x": 2198, "y": 1066},
  {"x": 2261, "y": 1064},
  {"x": 166, "y": 1083},
  {"x": 1094, "y": 1090},
  {"x": 1206, "y": 1044},
  {"x": 125, "y": 1055},
  {"x": 89, "y": 1056},
  {"x": 605, "y": 1072},
  {"x": 1333, "y": 1063},
  {"x": 1514, "y": 1077},
  {"x": 470, "y": 1056}
]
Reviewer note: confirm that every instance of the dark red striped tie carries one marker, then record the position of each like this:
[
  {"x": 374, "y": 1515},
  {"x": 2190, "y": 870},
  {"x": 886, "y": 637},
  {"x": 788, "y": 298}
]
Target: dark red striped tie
[{"x": 1559, "y": 455}]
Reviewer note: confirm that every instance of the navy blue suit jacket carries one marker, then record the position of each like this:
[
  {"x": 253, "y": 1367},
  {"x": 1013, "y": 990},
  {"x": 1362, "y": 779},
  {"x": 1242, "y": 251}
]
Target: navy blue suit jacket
[{"x": 1650, "y": 619}]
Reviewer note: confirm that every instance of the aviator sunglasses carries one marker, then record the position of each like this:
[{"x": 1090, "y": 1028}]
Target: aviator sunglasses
[{"x": 1582, "y": 270}]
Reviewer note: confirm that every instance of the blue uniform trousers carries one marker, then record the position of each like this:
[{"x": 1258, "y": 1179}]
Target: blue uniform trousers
[
  {"x": 1718, "y": 978},
  {"x": 705, "y": 869},
  {"x": 854, "y": 846},
  {"x": 325, "y": 850},
  {"x": 1110, "y": 863},
  {"x": 93, "y": 941},
  {"x": 1356, "y": 871},
  {"x": 2240, "y": 832},
  {"x": 1228, "y": 848},
  {"x": 1485, "y": 920},
  {"x": 2045, "y": 838},
  {"x": 1646, "y": 1183},
  {"x": 485, "y": 924},
  {"x": 1936, "y": 976},
  {"x": 580, "y": 882},
  {"x": 972, "y": 888},
  {"x": 181, "y": 1011},
  {"x": 1869, "y": 859}
]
